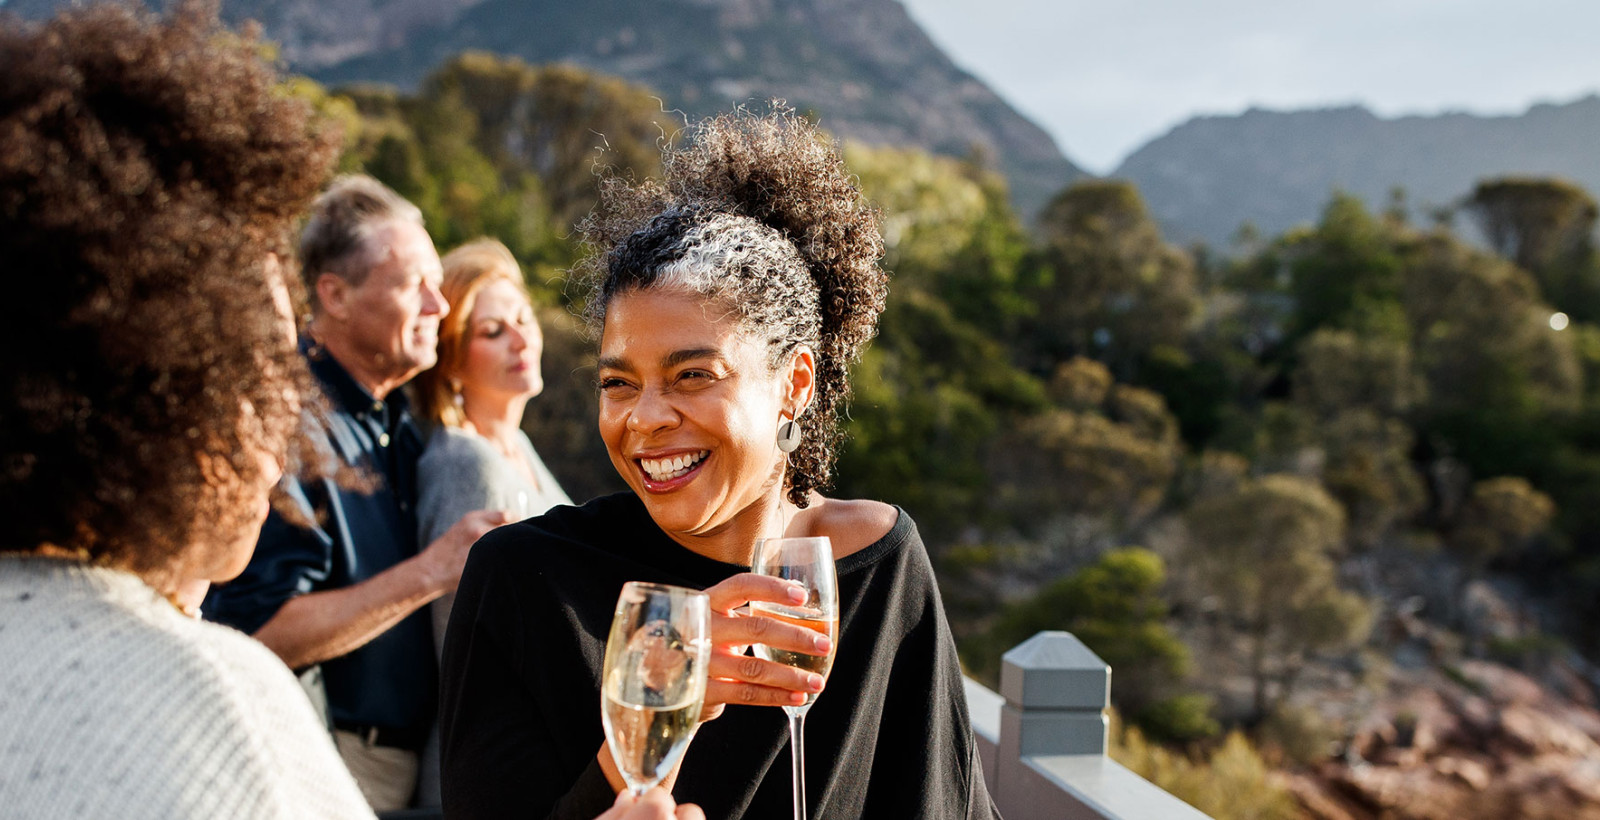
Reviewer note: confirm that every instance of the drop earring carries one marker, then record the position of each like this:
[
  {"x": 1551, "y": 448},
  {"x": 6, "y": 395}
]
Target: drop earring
[
  {"x": 456, "y": 397},
  {"x": 789, "y": 435}
]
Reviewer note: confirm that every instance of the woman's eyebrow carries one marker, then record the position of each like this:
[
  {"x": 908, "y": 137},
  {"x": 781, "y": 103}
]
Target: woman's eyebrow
[
  {"x": 672, "y": 359},
  {"x": 678, "y": 357}
]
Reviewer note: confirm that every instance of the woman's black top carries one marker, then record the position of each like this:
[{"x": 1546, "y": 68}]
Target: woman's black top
[{"x": 520, "y": 713}]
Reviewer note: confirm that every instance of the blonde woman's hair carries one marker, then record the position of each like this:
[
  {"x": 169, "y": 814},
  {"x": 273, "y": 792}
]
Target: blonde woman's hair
[{"x": 467, "y": 270}]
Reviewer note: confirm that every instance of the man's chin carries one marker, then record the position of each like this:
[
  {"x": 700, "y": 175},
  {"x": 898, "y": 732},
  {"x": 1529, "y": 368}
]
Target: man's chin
[{"x": 421, "y": 360}]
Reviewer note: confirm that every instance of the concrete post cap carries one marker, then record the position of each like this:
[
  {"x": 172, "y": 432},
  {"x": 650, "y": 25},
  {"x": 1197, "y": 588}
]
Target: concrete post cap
[{"x": 1054, "y": 670}]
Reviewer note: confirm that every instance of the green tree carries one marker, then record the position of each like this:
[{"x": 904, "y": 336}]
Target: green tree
[
  {"x": 1229, "y": 782},
  {"x": 1500, "y": 517},
  {"x": 930, "y": 205},
  {"x": 1265, "y": 551},
  {"x": 492, "y": 146},
  {"x": 1115, "y": 607},
  {"x": 335, "y": 111},
  {"x": 1107, "y": 452},
  {"x": 559, "y": 123},
  {"x": 1535, "y": 223},
  {"x": 1500, "y": 381},
  {"x": 1200, "y": 389},
  {"x": 473, "y": 198},
  {"x": 1344, "y": 270},
  {"x": 1105, "y": 283},
  {"x": 1359, "y": 389},
  {"x": 938, "y": 387},
  {"x": 1369, "y": 470},
  {"x": 1339, "y": 370},
  {"x": 1545, "y": 226},
  {"x": 948, "y": 231},
  {"x": 932, "y": 395}
]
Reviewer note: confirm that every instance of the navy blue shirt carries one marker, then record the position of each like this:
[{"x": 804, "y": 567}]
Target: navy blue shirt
[{"x": 391, "y": 681}]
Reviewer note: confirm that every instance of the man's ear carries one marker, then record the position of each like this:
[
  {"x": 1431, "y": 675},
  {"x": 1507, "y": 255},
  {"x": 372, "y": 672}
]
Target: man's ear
[
  {"x": 333, "y": 294},
  {"x": 800, "y": 380}
]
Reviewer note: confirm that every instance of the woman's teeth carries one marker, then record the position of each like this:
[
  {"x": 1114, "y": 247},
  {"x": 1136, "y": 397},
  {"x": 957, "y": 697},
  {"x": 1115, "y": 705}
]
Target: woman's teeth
[{"x": 666, "y": 469}]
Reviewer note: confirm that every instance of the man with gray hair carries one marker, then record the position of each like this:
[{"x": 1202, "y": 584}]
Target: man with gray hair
[{"x": 344, "y": 594}]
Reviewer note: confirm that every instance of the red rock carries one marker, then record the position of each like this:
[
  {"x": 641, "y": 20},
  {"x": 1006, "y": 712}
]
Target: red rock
[
  {"x": 1470, "y": 772},
  {"x": 1318, "y": 801},
  {"x": 1504, "y": 684},
  {"x": 1537, "y": 732}
]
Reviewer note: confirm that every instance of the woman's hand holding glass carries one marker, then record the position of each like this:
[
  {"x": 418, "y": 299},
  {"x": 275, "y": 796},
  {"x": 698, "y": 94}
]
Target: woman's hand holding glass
[
  {"x": 640, "y": 753},
  {"x": 736, "y": 677},
  {"x": 655, "y": 804}
]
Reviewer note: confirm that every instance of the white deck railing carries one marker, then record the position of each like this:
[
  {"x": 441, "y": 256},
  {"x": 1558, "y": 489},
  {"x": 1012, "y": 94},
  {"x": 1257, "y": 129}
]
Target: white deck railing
[{"x": 1043, "y": 739}]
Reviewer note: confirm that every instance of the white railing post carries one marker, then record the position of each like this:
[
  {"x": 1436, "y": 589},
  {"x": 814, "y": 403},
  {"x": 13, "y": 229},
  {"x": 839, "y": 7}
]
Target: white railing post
[
  {"x": 1056, "y": 692},
  {"x": 1043, "y": 738}
]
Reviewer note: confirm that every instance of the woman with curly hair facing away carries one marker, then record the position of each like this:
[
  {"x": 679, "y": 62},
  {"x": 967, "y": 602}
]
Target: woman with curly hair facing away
[
  {"x": 729, "y": 299},
  {"x": 151, "y": 172}
]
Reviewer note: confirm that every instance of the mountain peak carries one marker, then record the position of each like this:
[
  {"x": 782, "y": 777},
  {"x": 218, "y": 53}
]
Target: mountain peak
[
  {"x": 1276, "y": 169},
  {"x": 864, "y": 66}
]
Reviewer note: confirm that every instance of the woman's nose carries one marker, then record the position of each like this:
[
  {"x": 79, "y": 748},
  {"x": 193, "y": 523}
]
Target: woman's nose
[{"x": 652, "y": 412}]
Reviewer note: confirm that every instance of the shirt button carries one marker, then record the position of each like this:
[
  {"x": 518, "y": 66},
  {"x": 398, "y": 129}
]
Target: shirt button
[
  {"x": 377, "y": 407},
  {"x": 404, "y": 507},
  {"x": 383, "y": 440}
]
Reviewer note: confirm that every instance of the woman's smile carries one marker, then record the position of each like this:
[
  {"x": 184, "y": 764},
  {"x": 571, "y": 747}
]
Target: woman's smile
[{"x": 667, "y": 473}]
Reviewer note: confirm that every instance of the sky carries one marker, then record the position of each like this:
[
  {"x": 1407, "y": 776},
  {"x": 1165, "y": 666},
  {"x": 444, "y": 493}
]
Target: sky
[{"x": 1104, "y": 77}]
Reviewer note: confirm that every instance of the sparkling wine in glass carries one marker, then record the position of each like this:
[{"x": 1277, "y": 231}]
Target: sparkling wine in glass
[
  {"x": 654, "y": 680},
  {"x": 808, "y": 562}
]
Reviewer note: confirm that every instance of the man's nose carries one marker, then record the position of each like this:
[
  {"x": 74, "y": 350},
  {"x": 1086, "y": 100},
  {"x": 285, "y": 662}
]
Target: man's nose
[{"x": 433, "y": 303}]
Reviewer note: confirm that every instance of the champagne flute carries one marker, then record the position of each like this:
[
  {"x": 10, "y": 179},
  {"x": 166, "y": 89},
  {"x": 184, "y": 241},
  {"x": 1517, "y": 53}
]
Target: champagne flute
[
  {"x": 808, "y": 562},
  {"x": 654, "y": 681}
]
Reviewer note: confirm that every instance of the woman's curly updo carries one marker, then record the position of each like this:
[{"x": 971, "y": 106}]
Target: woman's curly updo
[
  {"x": 151, "y": 170},
  {"x": 757, "y": 213}
]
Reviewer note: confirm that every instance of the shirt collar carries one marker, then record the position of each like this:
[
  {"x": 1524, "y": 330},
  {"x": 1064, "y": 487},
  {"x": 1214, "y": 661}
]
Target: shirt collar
[{"x": 343, "y": 390}]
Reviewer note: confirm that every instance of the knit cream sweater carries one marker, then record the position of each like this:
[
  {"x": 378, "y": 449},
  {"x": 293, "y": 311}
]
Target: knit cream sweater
[{"x": 113, "y": 704}]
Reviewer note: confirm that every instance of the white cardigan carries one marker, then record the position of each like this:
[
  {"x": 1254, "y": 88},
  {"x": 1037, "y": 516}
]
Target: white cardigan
[{"x": 113, "y": 704}]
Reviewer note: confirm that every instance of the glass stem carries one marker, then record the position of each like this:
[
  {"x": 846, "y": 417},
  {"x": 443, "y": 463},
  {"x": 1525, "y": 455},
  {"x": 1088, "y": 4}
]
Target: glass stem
[{"x": 797, "y": 754}]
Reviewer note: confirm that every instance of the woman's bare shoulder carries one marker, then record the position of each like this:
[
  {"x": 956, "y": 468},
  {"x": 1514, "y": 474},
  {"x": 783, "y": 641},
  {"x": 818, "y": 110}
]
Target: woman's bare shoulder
[{"x": 852, "y": 524}]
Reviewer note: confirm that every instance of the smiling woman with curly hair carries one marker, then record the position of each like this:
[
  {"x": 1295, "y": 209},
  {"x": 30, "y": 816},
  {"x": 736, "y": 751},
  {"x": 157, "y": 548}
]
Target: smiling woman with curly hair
[
  {"x": 150, "y": 175},
  {"x": 730, "y": 300}
]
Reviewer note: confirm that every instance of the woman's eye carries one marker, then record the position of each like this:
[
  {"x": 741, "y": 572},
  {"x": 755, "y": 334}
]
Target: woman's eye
[
  {"x": 695, "y": 379},
  {"x": 611, "y": 385}
]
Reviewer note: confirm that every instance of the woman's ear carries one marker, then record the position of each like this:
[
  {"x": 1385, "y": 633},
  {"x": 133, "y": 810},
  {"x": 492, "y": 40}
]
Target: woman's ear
[{"x": 800, "y": 380}]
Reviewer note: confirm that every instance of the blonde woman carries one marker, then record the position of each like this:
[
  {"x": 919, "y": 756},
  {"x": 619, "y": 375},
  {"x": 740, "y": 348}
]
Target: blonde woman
[{"x": 477, "y": 456}]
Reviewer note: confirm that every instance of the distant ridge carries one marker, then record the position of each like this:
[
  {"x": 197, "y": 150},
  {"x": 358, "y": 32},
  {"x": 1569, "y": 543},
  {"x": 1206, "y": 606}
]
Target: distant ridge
[
  {"x": 864, "y": 66},
  {"x": 1276, "y": 169}
]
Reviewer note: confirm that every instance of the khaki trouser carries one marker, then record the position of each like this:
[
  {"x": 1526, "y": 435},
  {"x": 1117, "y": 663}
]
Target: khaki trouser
[{"x": 387, "y": 776}]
